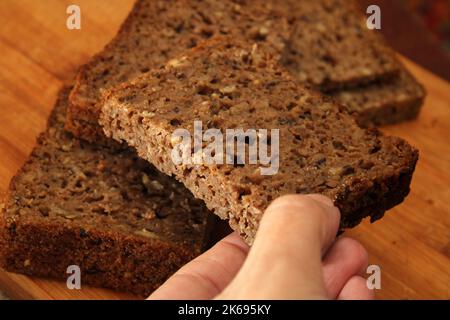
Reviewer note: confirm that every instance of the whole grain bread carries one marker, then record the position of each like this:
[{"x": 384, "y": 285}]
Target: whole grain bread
[
  {"x": 384, "y": 102},
  {"x": 229, "y": 84},
  {"x": 332, "y": 48},
  {"x": 127, "y": 226},
  {"x": 158, "y": 30}
]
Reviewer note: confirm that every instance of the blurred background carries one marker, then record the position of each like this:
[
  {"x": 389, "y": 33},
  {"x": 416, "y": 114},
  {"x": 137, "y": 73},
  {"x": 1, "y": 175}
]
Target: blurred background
[{"x": 419, "y": 29}]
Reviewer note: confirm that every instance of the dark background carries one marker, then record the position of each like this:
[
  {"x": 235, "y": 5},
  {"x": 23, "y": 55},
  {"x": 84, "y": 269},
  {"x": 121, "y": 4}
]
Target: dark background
[{"x": 418, "y": 29}]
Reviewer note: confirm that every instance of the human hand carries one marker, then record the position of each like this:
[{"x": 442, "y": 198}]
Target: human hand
[{"x": 295, "y": 255}]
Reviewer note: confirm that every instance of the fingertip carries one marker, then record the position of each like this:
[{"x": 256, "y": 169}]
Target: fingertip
[
  {"x": 286, "y": 200},
  {"x": 284, "y": 211},
  {"x": 356, "y": 289},
  {"x": 329, "y": 205},
  {"x": 300, "y": 201},
  {"x": 317, "y": 209},
  {"x": 236, "y": 240},
  {"x": 298, "y": 222},
  {"x": 345, "y": 259},
  {"x": 359, "y": 253},
  {"x": 355, "y": 250}
]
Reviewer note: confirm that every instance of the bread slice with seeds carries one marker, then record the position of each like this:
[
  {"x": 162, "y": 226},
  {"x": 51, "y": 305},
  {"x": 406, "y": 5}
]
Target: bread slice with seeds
[
  {"x": 385, "y": 102},
  {"x": 159, "y": 30},
  {"x": 331, "y": 47},
  {"x": 228, "y": 84},
  {"x": 127, "y": 226}
]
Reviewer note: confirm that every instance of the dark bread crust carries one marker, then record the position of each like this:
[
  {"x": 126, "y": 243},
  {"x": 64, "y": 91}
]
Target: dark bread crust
[
  {"x": 124, "y": 233},
  {"x": 372, "y": 197},
  {"x": 106, "y": 259},
  {"x": 229, "y": 84}
]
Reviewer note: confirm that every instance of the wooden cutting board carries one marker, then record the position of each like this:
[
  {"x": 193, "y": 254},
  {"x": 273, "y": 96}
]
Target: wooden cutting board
[{"x": 38, "y": 54}]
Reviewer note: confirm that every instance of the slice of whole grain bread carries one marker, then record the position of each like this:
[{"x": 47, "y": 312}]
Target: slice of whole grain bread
[
  {"x": 126, "y": 225},
  {"x": 228, "y": 84}
]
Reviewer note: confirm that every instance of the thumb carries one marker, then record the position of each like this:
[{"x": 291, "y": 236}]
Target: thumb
[{"x": 285, "y": 261}]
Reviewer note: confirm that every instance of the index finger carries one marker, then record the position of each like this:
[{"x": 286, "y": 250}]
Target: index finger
[{"x": 208, "y": 274}]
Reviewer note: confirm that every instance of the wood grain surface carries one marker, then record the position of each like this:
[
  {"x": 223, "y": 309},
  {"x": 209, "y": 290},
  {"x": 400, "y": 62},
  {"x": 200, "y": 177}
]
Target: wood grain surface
[{"x": 38, "y": 54}]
